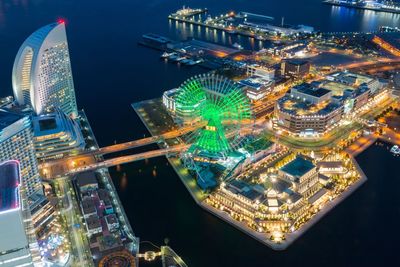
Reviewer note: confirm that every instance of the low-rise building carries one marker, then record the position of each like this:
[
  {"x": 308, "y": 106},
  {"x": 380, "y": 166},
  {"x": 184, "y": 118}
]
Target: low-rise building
[
  {"x": 112, "y": 222},
  {"x": 88, "y": 207},
  {"x": 295, "y": 68},
  {"x": 256, "y": 88},
  {"x": 331, "y": 167},
  {"x": 168, "y": 99},
  {"x": 86, "y": 182},
  {"x": 302, "y": 173},
  {"x": 260, "y": 72},
  {"x": 356, "y": 80},
  {"x": 307, "y": 111},
  {"x": 93, "y": 225},
  {"x": 105, "y": 201},
  {"x": 319, "y": 198},
  {"x": 309, "y": 93}
]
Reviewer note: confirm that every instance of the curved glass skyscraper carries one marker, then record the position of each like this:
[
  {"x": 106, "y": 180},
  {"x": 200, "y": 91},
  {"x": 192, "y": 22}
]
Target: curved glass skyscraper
[{"x": 42, "y": 76}]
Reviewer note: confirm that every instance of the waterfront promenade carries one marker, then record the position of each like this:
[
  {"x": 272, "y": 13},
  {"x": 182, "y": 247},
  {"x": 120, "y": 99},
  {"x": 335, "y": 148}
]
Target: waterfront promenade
[{"x": 389, "y": 136}]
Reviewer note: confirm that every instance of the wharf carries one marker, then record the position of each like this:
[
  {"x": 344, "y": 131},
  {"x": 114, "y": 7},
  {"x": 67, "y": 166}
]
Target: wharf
[{"x": 220, "y": 28}]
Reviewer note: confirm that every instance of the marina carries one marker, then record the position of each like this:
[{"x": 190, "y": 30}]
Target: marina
[{"x": 192, "y": 51}]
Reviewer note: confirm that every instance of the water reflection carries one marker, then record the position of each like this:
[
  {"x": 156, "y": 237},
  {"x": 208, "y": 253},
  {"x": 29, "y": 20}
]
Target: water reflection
[
  {"x": 183, "y": 31},
  {"x": 124, "y": 181},
  {"x": 351, "y": 19}
]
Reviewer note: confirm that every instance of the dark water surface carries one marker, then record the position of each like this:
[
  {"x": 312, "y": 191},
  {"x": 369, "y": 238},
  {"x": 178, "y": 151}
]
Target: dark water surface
[{"x": 111, "y": 71}]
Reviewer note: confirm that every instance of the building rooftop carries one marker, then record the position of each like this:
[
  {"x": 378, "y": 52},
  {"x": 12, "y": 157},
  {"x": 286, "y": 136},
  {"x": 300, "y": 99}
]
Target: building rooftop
[
  {"x": 252, "y": 194},
  {"x": 337, "y": 88},
  {"x": 93, "y": 222},
  {"x": 350, "y": 78},
  {"x": 297, "y": 61},
  {"x": 308, "y": 89},
  {"x": 86, "y": 178},
  {"x": 257, "y": 145},
  {"x": 255, "y": 82},
  {"x": 299, "y": 107},
  {"x": 320, "y": 193},
  {"x": 88, "y": 205},
  {"x": 111, "y": 219},
  {"x": 7, "y": 118},
  {"x": 237, "y": 185},
  {"x": 9, "y": 185},
  {"x": 330, "y": 164},
  {"x": 294, "y": 197},
  {"x": 280, "y": 185},
  {"x": 51, "y": 123},
  {"x": 104, "y": 196},
  {"x": 246, "y": 190},
  {"x": 298, "y": 167}
]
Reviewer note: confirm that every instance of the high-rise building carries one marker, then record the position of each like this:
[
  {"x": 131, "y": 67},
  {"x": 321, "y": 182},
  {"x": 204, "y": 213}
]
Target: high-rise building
[
  {"x": 42, "y": 76},
  {"x": 16, "y": 143},
  {"x": 14, "y": 244},
  {"x": 56, "y": 135}
]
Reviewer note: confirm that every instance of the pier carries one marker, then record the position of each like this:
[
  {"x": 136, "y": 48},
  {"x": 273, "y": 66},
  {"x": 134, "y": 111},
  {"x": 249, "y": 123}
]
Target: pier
[{"x": 233, "y": 23}]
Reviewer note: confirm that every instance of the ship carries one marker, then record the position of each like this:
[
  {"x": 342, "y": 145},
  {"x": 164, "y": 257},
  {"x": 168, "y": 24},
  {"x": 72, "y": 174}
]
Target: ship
[
  {"x": 166, "y": 54},
  {"x": 155, "y": 41},
  {"x": 395, "y": 150},
  {"x": 238, "y": 46}
]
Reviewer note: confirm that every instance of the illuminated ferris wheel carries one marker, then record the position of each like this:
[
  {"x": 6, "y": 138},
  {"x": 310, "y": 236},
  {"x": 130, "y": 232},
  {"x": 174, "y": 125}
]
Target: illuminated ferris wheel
[{"x": 220, "y": 105}]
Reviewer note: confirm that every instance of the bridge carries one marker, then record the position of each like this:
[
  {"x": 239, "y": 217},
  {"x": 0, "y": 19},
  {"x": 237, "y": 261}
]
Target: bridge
[
  {"x": 146, "y": 141},
  {"x": 130, "y": 158},
  {"x": 91, "y": 160}
]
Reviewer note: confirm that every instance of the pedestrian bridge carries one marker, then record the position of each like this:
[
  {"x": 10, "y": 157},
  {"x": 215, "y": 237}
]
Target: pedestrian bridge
[{"x": 130, "y": 158}]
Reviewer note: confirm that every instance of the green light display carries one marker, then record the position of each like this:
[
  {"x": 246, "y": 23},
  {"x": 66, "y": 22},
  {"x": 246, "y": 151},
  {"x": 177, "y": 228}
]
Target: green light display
[{"x": 219, "y": 102}]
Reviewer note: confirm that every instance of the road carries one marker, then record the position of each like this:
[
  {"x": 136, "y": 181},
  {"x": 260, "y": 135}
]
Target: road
[{"x": 71, "y": 213}]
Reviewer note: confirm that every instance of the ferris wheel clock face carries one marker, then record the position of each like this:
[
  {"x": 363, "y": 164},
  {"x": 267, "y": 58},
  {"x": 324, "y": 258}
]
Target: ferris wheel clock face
[{"x": 221, "y": 105}]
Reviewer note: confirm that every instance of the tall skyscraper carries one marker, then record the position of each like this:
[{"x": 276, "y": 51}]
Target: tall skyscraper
[
  {"x": 14, "y": 242},
  {"x": 42, "y": 76},
  {"x": 16, "y": 143}
]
